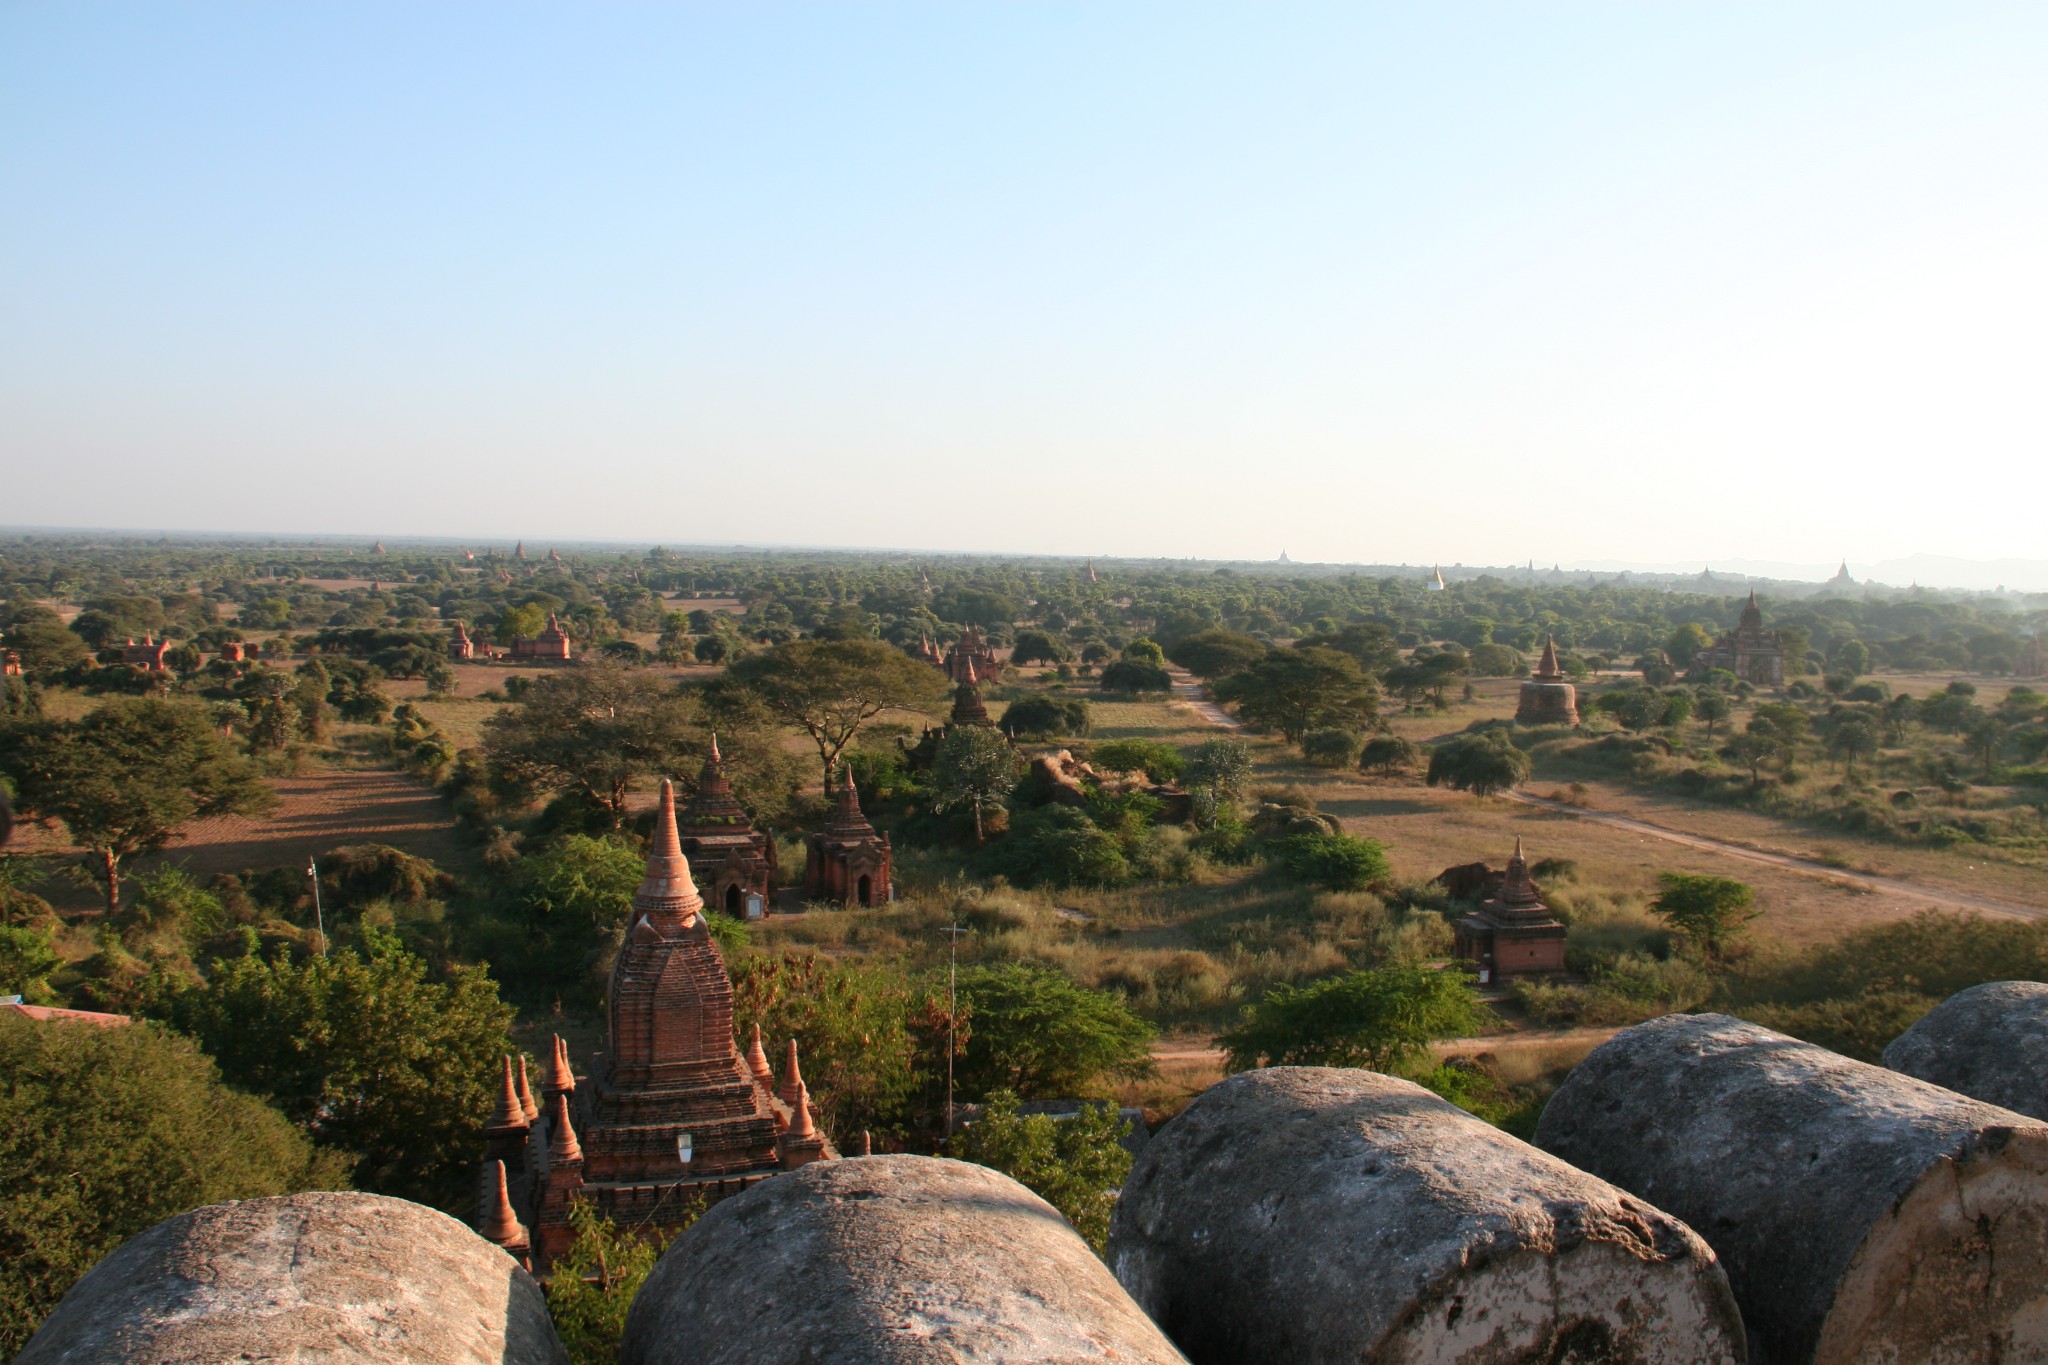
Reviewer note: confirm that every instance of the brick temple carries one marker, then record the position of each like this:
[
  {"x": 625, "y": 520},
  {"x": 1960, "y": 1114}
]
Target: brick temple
[
  {"x": 847, "y": 861},
  {"x": 672, "y": 1111},
  {"x": 1750, "y": 652},
  {"x": 733, "y": 861},
  {"x": 1512, "y": 933}
]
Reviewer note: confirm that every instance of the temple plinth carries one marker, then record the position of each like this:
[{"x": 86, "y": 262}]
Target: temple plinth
[{"x": 1547, "y": 699}]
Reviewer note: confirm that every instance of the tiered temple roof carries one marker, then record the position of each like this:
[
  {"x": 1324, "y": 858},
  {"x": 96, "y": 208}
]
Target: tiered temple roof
[
  {"x": 672, "y": 1110},
  {"x": 848, "y": 861},
  {"x": 1514, "y": 933},
  {"x": 733, "y": 858},
  {"x": 1546, "y": 698}
]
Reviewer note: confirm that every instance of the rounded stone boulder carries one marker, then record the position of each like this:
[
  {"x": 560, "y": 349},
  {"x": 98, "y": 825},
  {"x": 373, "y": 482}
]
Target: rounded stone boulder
[
  {"x": 887, "y": 1260},
  {"x": 1861, "y": 1214},
  {"x": 330, "y": 1278},
  {"x": 1989, "y": 1042},
  {"x": 1317, "y": 1214}
]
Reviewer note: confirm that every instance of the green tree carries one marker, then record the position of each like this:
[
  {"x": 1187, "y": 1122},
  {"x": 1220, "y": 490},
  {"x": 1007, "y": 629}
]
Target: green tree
[
  {"x": 39, "y": 636},
  {"x": 1383, "y": 1018},
  {"x": 1341, "y": 862},
  {"x": 1158, "y": 761},
  {"x": 1044, "y": 717},
  {"x": 1686, "y": 641},
  {"x": 1298, "y": 690},
  {"x": 1130, "y": 676},
  {"x": 520, "y": 623},
  {"x": 1850, "y": 656},
  {"x": 1216, "y": 653},
  {"x": 856, "y": 1028},
  {"x": 595, "y": 730},
  {"x": 366, "y": 1055},
  {"x": 1708, "y": 912},
  {"x": 26, "y": 961},
  {"x": 830, "y": 689},
  {"x": 590, "y": 1288},
  {"x": 1220, "y": 767},
  {"x": 1485, "y": 763},
  {"x": 110, "y": 1130},
  {"x": 1075, "y": 1163},
  {"x": 1038, "y": 1034},
  {"x": 1037, "y": 647},
  {"x": 1984, "y": 739},
  {"x": 1388, "y": 753},
  {"x": 1712, "y": 707},
  {"x": 1853, "y": 737},
  {"x": 127, "y": 777},
  {"x": 975, "y": 767},
  {"x": 1146, "y": 652}
]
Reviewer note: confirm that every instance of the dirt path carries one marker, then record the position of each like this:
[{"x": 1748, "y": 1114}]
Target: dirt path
[
  {"x": 1868, "y": 881},
  {"x": 1190, "y": 692}
]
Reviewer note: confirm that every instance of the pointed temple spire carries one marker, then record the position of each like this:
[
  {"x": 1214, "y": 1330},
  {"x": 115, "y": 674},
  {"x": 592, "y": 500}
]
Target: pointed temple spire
[
  {"x": 561, "y": 1079},
  {"x": 667, "y": 895},
  {"x": 1547, "y": 666},
  {"x": 867, "y": 1143},
  {"x": 757, "y": 1062},
  {"x": 562, "y": 1144},
  {"x": 792, "y": 1078},
  {"x": 510, "y": 1113},
  {"x": 848, "y": 802},
  {"x": 500, "y": 1224},
  {"x": 526, "y": 1103},
  {"x": 800, "y": 1125},
  {"x": 716, "y": 757}
]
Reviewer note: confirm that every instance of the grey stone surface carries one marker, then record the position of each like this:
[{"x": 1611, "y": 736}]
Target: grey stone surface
[
  {"x": 1315, "y": 1214},
  {"x": 335, "y": 1278},
  {"x": 1989, "y": 1042},
  {"x": 1862, "y": 1215},
  {"x": 886, "y": 1260}
]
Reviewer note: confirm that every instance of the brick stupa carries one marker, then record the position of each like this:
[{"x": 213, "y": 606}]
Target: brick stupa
[
  {"x": 1547, "y": 699},
  {"x": 673, "y": 1081}
]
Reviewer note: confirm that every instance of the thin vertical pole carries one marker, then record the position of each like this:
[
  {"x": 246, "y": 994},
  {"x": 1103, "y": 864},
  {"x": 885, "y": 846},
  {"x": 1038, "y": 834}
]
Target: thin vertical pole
[
  {"x": 319, "y": 917},
  {"x": 952, "y": 932}
]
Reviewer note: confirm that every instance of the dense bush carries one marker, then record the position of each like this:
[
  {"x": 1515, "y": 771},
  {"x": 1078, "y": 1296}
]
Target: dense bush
[
  {"x": 1128, "y": 676},
  {"x": 1160, "y": 762},
  {"x": 1341, "y": 862},
  {"x": 109, "y": 1130},
  {"x": 1331, "y": 748},
  {"x": 1047, "y": 718}
]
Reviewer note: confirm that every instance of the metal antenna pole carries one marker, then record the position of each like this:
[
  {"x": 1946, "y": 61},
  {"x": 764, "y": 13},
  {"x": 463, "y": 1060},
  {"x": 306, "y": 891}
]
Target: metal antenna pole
[
  {"x": 952, "y": 932},
  {"x": 319, "y": 918}
]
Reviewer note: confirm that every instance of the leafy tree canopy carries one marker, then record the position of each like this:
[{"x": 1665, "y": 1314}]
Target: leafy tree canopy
[
  {"x": 1298, "y": 690},
  {"x": 1075, "y": 1163},
  {"x": 830, "y": 689},
  {"x": 1382, "y": 1018},
  {"x": 1484, "y": 763},
  {"x": 110, "y": 1130},
  {"x": 366, "y": 1055},
  {"x": 1038, "y": 1034}
]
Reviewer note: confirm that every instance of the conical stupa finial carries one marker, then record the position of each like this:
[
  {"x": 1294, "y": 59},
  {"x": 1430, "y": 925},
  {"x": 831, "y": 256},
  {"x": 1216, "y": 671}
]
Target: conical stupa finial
[
  {"x": 560, "y": 1077},
  {"x": 792, "y": 1082},
  {"x": 715, "y": 756},
  {"x": 562, "y": 1143},
  {"x": 667, "y": 894},
  {"x": 501, "y": 1225},
  {"x": 800, "y": 1125},
  {"x": 526, "y": 1103},
  {"x": 510, "y": 1113},
  {"x": 757, "y": 1062}
]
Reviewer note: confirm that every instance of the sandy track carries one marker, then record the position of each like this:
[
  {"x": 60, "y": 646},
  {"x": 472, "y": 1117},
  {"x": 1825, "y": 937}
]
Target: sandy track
[{"x": 1868, "y": 881}]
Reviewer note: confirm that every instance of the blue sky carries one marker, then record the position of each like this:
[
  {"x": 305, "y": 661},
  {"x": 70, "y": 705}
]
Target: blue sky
[{"x": 1453, "y": 282}]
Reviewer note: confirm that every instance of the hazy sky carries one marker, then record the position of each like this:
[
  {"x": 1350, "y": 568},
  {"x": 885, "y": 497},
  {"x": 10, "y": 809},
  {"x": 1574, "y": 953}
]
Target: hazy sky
[{"x": 1445, "y": 281}]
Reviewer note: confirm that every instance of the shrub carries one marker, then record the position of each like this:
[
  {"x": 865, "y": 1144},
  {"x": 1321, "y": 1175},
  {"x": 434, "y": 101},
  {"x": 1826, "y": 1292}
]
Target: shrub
[
  {"x": 1380, "y": 1018},
  {"x": 1057, "y": 846},
  {"x": 1330, "y": 748},
  {"x": 1387, "y": 753},
  {"x": 1160, "y": 762},
  {"x": 1341, "y": 862},
  {"x": 1075, "y": 1163},
  {"x": 1134, "y": 678},
  {"x": 110, "y": 1130},
  {"x": 1047, "y": 717}
]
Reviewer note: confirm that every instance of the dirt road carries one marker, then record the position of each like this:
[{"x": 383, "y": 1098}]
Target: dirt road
[{"x": 1868, "y": 881}]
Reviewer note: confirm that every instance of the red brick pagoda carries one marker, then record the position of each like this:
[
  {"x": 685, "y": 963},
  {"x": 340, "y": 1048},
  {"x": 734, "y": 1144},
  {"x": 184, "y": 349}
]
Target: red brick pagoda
[
  {"x": 972, "y": 655},
  {"x": 1514, "y": 933},
  {"x": 847, "y": 861},
  {"x": 460, "y": 647},
  {"x": 734, "y": 861},
  {"x": 672, "y": 1112},
  {"x": 968, "y": 707},
  {"x": 551, "y": 646},
  {"x": 1547, "y": 699}
]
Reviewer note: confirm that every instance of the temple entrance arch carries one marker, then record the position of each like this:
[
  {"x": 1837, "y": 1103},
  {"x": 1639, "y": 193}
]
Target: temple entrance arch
[{"x": 863, "y": 890}]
